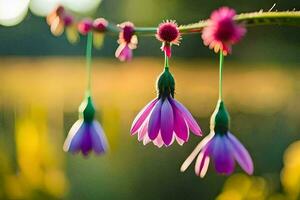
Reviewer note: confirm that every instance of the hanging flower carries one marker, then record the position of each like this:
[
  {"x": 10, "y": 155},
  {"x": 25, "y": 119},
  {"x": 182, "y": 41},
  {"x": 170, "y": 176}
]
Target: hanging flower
[
  {"x": 168, "y": 33},
  {"x": 86, "y": 134},
  {"x": 222, "y": 31},
  {"x": 164, "y": 119},
  {"x": 222, "y": 147},
  {"x": 127, "y": 42},
  {"x": 99, "y": 26},
  {"x": 85, "y": 26},
  {"x": 58, "y": 19}
]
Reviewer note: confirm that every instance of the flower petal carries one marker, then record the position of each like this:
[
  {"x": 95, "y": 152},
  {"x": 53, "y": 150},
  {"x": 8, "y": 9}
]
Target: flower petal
[
  {"x": 143, "y": 130},
  {"x": 241, "y": 154},
  {"x": 202, "y": 163},
  {"x": 86, "y": 141},
  {"x": 167, "y": 122},
  {"x": 180, "y": 126},
  {"x": 74, "y": 138},
  {"x": 188, "y": 117},
  {"x": 143, "y": 114},
  {"x": 154, "y": 121},
  {"x": 158, "y": 141},
  {"x": 98, "y": 138},
  {"x": 222, "y": 155}
]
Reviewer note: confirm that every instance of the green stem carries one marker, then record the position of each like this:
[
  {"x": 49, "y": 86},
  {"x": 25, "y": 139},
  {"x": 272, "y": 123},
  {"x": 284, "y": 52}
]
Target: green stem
[
  {"x": 286, "y": 18},
  {"x": 166, "y": 61},
  {"x": 89, "y": 48},
  {"x": 221, "y": 76}
]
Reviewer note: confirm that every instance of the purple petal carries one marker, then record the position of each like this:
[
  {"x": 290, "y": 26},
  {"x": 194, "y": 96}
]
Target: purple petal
[
  {"x": 154, "y": 121},
  {"x": 222, "y": 155},
  {"x": 167, "y": 122},
  {"x": 180, "y": 126},
  {"x": 143, "y": 114},
  {"x": 74, "y": 138},
  {"x": 98, "y": 138},
  {"x": 188, "y": 117},
  {"x": 241, "y": 154},
  {"x": 86, "y": 141}
]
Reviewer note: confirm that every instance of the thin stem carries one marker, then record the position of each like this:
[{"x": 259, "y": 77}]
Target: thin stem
[
  {"x": 282, "y": 18},
  {"x": 166, "y": 61},
  {"x": 221, "y": 76},
  {"x": 89, "y": 47}
]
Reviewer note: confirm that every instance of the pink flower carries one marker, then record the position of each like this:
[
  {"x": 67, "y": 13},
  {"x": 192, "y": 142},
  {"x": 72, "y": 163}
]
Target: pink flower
[
  {"x": 58, "y": 20},
  {"x": 100, "y": 24},
  {"x": 127, "y": 42},
  {"x": 222, "y": 31},
  {"x": 168, "y": 33},
  {"x": 85, "y": 26},
  {"x": 164, "y": 119}
]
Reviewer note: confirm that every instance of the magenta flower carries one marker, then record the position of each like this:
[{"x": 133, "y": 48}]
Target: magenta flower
[
  {"x": 86, "y": 134},
  {"x": 221, "y": 147},
  {"x": 168, "y": 33},
  {"x": 164, "y": 119},
  {"x": 127, "y": 42},
  {"x": 222, "y": 31},
  {"x": 85, "y": 26}
]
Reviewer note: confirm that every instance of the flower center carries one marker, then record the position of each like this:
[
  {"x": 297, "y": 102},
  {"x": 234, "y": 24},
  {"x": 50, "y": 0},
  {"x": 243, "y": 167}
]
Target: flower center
[{"x": 226, "y": 30}]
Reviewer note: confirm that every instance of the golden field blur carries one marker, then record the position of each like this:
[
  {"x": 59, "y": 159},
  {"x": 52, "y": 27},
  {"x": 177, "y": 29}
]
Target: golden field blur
[{"x": 39, "y": 98}]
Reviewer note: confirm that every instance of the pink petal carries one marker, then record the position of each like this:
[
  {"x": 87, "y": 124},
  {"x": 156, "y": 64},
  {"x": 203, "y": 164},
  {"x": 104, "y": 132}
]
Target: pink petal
[
  {"x": 158, "y": 141},
  {"x": 154, "y": 121},
  {"x": 180, "y": 126},
  {"x": 202, "y": 163},
  {"x": 143, "y": 114},
  {"x": 167, "y": 122},
  {"x": 241, "y": 154},
  {"x": 188, "y": 118},
  {"x": 143, "y": 130}
]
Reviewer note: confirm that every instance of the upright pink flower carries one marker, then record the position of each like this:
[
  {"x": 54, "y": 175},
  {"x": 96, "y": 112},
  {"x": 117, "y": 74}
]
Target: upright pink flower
[
  {"x": 222, "y": 31},
  {"x": 127, "y": 42},
  {"x": 164, "y": 119},
  {"x": 168, "y": 33},
  {"x": 220, "y": 146}
]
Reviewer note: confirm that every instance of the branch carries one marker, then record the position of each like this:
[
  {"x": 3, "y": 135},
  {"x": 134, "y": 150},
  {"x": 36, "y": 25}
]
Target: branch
[{"x": 284, "y": 18}]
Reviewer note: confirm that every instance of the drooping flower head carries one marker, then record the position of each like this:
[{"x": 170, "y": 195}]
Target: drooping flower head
[
  {"x": 86, "y": 134},
  {"x": 99, "y": 27},
  {"x": 168, "y": 33},
  {"x": 127, "y": 41},
  {"x": 164, "y": 119},
  {"x": 220, "y": 146},
  {"x": 222, "y": 31},
  {"x": 58, "y": 19},
  {"x": 85, "y": 26}
]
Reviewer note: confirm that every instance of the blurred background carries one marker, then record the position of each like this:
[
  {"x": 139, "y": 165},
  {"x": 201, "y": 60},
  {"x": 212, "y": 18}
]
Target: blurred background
[{"x": 43, "y": 80}]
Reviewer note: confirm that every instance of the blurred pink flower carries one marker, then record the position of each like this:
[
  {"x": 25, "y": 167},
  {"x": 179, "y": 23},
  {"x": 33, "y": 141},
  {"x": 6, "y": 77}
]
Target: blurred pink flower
[
  {"x": 127, "y": 42},
  {"x": 222, "y": 31},
  {"x": 85, "y": 26}
]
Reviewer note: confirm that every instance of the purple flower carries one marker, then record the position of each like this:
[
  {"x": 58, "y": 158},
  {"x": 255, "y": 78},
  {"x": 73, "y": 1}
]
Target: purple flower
[
  {"x": 164, "y": 119},
  {"x": 221, "y": 147},
  {"x": 86, "y": 134},
  {"x": 222, "y": 31},
  {"x": 86, "y": 137}
]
